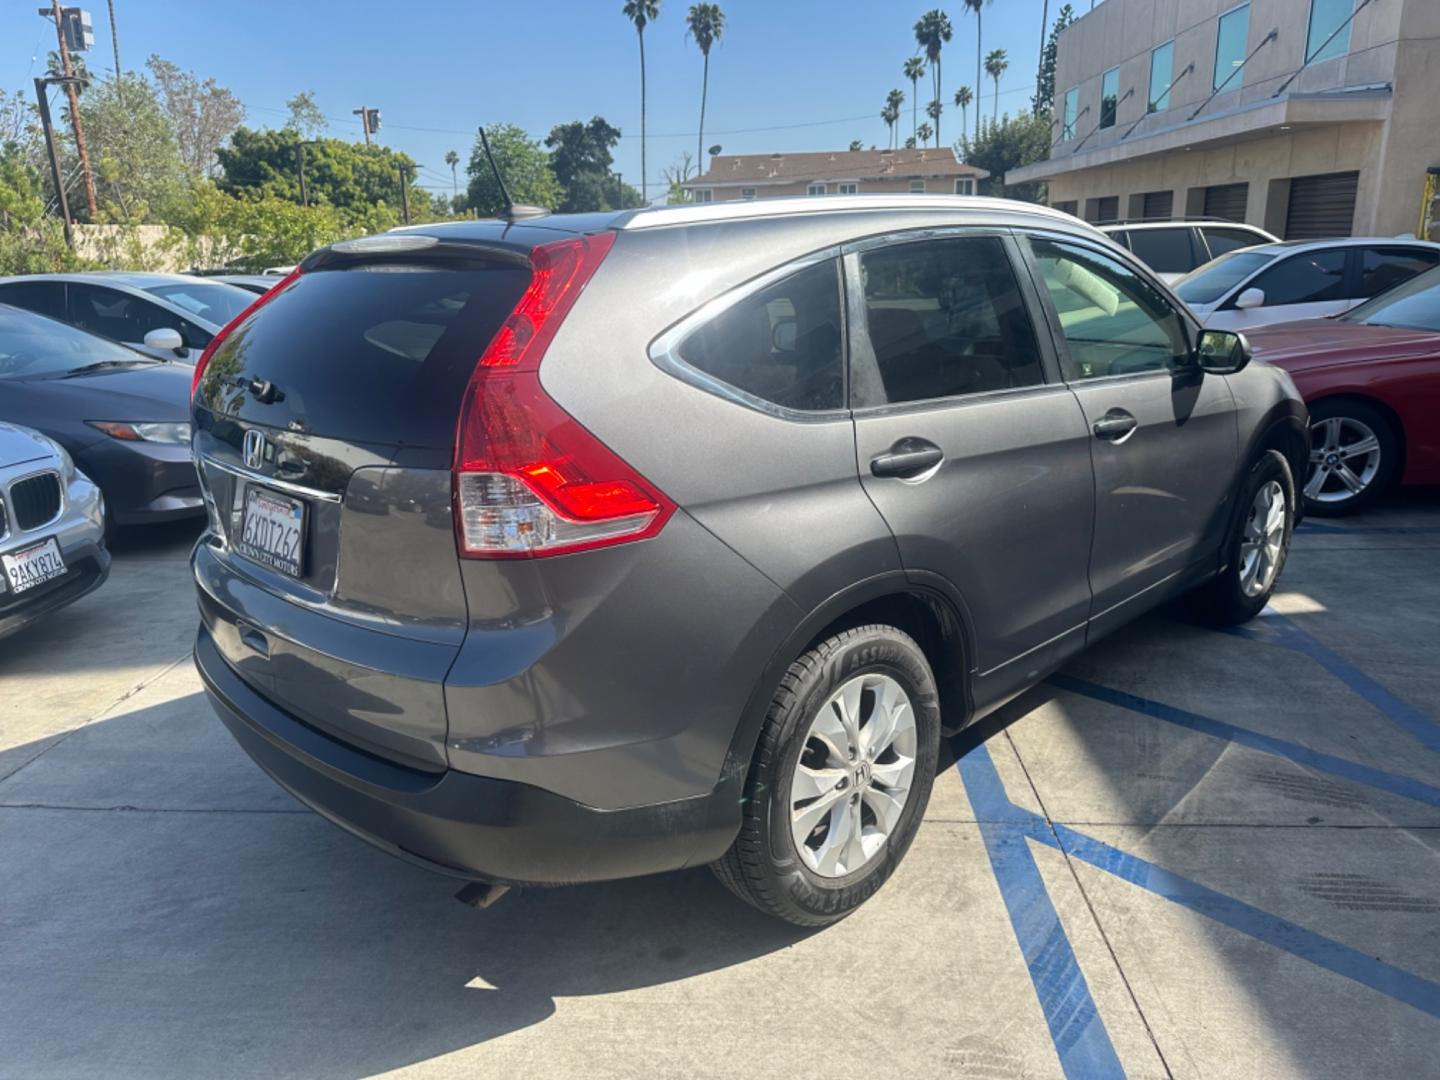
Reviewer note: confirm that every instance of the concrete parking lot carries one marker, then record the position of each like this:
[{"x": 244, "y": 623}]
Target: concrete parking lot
[{"x": 1191, "y": 854}]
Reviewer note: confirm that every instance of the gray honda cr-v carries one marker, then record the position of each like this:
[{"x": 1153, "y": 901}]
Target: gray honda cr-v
[{"x": 580, "y": 547}]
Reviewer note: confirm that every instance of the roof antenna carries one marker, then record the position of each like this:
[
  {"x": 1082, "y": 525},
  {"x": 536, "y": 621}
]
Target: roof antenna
[{"x": 512, "y": 211}]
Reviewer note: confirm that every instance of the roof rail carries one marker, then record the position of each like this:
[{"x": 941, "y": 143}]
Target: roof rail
[
  {"x": 782, "y": 206},
  {"x": 1198, "y": 219}
]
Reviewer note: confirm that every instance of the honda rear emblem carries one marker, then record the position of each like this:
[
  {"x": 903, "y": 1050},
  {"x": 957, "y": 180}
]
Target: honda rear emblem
[{"x": 254, "y": 449}]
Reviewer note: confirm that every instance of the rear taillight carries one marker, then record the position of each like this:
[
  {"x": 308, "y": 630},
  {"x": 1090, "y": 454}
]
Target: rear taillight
[
  {"x": 529, "y": 479},
  {"x": 225, "y": 331}
]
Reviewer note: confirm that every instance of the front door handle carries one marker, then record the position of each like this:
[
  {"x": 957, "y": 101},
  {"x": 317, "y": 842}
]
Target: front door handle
[
  {"x": 1115, "y": 425},
  {"x": 907, "y": 458}
]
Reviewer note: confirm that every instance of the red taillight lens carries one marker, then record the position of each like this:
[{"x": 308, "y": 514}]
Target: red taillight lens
[
  {"x": 225, "y": 331},
  {"x": 529, "y": 479}
]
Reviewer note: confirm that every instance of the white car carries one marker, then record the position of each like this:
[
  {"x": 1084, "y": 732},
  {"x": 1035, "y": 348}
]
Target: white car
[
  {"x": 1173, "y": 248},
  {"x": 1306, "y": 279}
]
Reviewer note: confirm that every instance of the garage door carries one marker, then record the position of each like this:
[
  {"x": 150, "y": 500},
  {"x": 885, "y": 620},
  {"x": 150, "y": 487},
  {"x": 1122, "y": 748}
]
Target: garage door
[
  {"x": 1226, "y": 201},
  {"x": 1321, "y": 206},
  {"x": 1158, "y": 204}
]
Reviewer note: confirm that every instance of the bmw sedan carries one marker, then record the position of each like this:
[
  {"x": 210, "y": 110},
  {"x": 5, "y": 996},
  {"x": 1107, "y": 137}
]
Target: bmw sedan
[
  {"x": 167, "y": 316},
  {"x": 121, "y": 415}
]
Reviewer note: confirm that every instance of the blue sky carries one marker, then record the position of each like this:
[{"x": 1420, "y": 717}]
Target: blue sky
[{"x": 814, "y": 72}]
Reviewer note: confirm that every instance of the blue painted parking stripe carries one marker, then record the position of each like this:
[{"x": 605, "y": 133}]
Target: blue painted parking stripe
[
  {"x": 1275, "y": 629},
  {"x": 1079, "y": 1034},
  {"x": 1301, "y": 755},
  {"x": 1315, "y": 948}
]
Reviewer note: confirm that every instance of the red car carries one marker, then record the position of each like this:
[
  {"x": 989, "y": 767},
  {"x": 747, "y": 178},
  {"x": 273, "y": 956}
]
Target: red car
[{"x": 1372, "y": 380}]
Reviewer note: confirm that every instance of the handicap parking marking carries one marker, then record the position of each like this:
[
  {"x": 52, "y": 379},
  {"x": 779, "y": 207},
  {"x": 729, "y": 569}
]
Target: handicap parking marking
[
  {"x": 1344, "y": 768},
  {"x": 1276, "y": 629}
]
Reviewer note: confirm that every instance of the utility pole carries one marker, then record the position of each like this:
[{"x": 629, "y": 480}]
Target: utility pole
[
  {"x": 405, "y": 190},
  {"x": 42, "y": 99},
  {"x": 369, "y": 121},
  {"x": 300, "y": 165},
  {"x": 54, "y": 12},
  {"x": 114, "y": 39}
]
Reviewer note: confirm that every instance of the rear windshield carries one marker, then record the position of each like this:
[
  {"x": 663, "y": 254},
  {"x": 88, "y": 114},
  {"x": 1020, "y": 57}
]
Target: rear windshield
[
  {"x": 1210, "y": 282},
  {"x": 370, "y": 353}
]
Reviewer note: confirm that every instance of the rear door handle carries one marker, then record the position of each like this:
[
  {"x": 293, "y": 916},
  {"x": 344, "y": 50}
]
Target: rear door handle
[
  {"x": 907, "y": 458},
  {"x": 1115, "y": 425}
]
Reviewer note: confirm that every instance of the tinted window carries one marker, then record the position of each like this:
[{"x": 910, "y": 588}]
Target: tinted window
[
  {"x": 1230, "y": 38},
  {"x": 1113, "y": 320},
  {"x": 1383, "y": 268},
  {"x": 1413, "y": 305},
  {"x": 1223, "y": 240},
  {"x": 1311, "y": 278},
  {"x": 30, "y": 346},
  {"x": 1210, "y": 282},
  {"x": 376, "y": 352},
  {"x": 1109, "y": 97},
  {"x": 46, "y": 297},
  {"x": 780, "y": 344},
  {"x": 1166, "y": 251},
  {"x": 216, "y": 304},
  {"x": 120, "y": 316},
  {"x": 943, "y": 318},
  {"x": 1072, "y": 105}
]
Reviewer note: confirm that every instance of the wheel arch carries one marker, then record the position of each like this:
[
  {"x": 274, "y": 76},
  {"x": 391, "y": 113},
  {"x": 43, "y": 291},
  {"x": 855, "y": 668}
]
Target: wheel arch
[{"x": 1380, "y": 405}]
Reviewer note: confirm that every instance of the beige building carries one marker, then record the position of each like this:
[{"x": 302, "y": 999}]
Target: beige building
[
  {"x": 841, "y": 172},
  {"x": 1310, "y": 118}
]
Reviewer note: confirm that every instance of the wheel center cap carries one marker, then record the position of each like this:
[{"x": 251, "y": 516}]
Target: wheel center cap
[
  {"x": 862, "y": 775},
  {"x": 1331, "y": 459}
]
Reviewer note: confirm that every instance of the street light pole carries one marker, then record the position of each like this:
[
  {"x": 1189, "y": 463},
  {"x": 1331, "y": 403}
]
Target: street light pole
[
  {"x": 43, "y": 101},
  {"x": 53, "y": 12},
  {"x": 405, "y": 191}
]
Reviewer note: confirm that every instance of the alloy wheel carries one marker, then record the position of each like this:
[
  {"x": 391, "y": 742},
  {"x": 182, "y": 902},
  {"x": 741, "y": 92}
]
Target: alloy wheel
[
  {"x": 1263, "y": 539},
  {"x": 854, "y": 776},
  {"x": 1344, "y": 459}
]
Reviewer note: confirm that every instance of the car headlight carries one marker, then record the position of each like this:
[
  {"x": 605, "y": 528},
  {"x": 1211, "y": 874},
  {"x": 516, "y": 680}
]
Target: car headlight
[{"x": 170, "y": 434}]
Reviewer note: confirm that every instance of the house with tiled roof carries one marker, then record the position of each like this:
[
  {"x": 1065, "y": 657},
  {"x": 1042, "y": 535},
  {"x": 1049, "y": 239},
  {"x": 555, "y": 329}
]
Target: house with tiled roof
[{"x": 838, "y": 172}]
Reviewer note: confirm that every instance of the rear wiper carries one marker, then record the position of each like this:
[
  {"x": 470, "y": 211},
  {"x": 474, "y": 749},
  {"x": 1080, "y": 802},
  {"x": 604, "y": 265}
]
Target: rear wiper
[{"x": 102, "y": 365}]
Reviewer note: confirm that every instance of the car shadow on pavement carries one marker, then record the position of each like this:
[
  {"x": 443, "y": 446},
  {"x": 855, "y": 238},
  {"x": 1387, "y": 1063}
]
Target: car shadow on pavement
[{"x": 156, "y": 881}]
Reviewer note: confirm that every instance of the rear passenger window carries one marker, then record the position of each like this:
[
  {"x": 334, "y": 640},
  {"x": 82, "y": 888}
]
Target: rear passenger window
[
  {"x": 1383, "y": 268},
  {"x": 944, "y": 318},
  {"x": 1310, "y": 278},
  {"x": 1223, "y": 240},
  {"x": 43, "y": 297},
  {"x": 780, "y": 344},
  {"x": 1166, "y": 251}
]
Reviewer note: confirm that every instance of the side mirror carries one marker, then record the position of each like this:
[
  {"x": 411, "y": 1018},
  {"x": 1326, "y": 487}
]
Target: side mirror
[
  {"x": 1222, "y": 352},
  {"x": 166, "y": 338},
  {"x": 1250, "y": 298}
]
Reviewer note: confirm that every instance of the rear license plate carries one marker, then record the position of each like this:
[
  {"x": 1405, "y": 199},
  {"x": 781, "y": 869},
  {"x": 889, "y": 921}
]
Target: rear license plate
[
  {"x": 273, "y": 531},
  {"x": 34, "y": 565}
]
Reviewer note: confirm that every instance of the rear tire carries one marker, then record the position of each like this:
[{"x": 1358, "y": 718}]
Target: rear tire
[
  {"x": 830, "y": 805},
  {"x": 1256, "y": 549},
  {"x": 1351, "y": 443}
]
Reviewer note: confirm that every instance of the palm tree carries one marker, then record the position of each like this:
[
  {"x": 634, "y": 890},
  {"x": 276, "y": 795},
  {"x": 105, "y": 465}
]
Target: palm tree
[
  {"x": 963, "y": 97},
  {"x": 995, "y": 65},
  {"x": 923, "y": 135},
  {"x": 890, "y": 114},
  {"x": 453, "y": 159},
  {"x": 642, "y": 13},
  {"x": 914, "y": 68},
  {"x": 931, "y": 33},
  {"x": 933, "y": 111},
  {"x": 707, "y": 26},
  {"x": 975, "y": 6},
  {"x": 893, "y": 101}
]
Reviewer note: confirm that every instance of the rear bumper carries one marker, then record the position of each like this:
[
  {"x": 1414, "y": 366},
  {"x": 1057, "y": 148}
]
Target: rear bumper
[{"x": 467, "y": 826}]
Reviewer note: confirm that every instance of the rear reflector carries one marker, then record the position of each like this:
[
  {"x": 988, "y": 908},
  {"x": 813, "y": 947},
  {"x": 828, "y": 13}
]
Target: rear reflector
[
  {"x": 529, "y": 479},
  {"x": 264, "y": 298}
]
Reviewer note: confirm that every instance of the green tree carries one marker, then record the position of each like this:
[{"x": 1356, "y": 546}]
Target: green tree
[
  {"x": 523, "y": 163},
  {"x": 453, "y": 160},
  {"x": 933, "y": 111},
  {"x": 1007, "y": 145},
  {"x": 975, "y": 6},
  {"x": 923, "y": 135},
  {"x": 914, "y": 68},
  {"x": 351, "y": 177},
  {"x": 30, "y": 242},
  {"x": 1044, "y": 99},
  {"x": 963, "y": 98},
  {"x": 305, "y": 115},
  {"x": 891, "y": 113},
  {"x": 706, "y": 23},
  {"x": 642, "y": 13},
  {"x": 139, "y": 175},
  {"x": 995, "y": 65},
  {"x": 932, "y": 32},
  {"x": 202, "y": 115},
  {"x": 580, "y": 158}
]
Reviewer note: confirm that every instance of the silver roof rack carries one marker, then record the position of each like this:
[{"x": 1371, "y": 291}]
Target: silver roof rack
[{"x": 744, "y": 209}]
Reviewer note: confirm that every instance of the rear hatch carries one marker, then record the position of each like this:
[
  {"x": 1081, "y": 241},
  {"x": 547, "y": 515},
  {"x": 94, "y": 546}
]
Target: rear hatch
[{"x": 324, "y": 434}]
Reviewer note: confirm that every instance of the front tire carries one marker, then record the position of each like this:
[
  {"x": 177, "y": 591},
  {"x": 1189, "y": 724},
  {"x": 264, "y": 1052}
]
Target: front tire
[
  {"x": 1354, "y": 456},
  {"x": 1258, "y": 544},
  {"x": 840, "y": 778}
]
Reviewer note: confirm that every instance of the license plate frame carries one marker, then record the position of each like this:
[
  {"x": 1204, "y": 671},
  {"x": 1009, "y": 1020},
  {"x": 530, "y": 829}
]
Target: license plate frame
[
  {"x": 276, "y": 513},
  {"x": 14, "y": 565}
]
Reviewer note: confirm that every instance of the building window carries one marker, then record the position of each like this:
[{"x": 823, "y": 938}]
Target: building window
[
  {"x": 1109, "y": 97},
  {"x": 1326, "y": 16},
  {"x": 1162, "y": 63},
  {"x": 1067, "y": 206},
  {"x": 703, "y": 194},
  {"x": 849, "y": 189},
  {"x": 917, "y": 187},
  {"x": 815, "y": 189},
  {"x": 747, "y": 193},
  {"x": 1072, "y": 105},
  {"x": 965, "y": 186},
  {"x": 1230, "y": 40}
]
